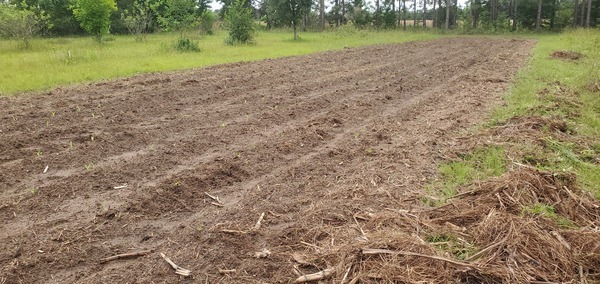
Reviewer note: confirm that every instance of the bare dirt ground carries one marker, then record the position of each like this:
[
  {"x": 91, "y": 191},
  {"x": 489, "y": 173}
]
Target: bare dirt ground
[{"x": 317, "y": 143}]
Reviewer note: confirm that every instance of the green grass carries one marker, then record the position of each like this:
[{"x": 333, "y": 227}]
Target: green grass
[
  {"x": 563, "y": 89},
  {"x": 449, "y": 243},
  {"x": 482, "y": 163},
  {"x": 544, "y": 73},
  {"x": 62, "y": 61},
  {"x": 548, "y": 211}
]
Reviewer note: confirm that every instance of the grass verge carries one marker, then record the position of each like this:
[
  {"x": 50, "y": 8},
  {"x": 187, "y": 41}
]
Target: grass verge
[{"x": 561, "y": 88}]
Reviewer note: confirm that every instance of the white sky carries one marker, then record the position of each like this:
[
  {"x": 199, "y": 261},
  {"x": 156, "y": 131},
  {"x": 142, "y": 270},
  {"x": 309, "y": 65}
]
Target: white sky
[{"x": 217, "y": 5}]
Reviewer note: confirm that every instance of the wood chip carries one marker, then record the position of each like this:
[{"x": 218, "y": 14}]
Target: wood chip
[
  {"x": 258, "y": 223},
  {"x": 262, "y": 254}
]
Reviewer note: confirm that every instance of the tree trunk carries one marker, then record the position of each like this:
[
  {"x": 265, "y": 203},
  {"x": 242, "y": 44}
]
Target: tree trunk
[
  {"x": 439, "y": 21},
  {"x": 322, "y": 14},
  {"x": 404, "y": 11},
  {"x": 399, "y": 12},
  {"x": 447, "y": 15},
  {"x": 553, "y": 17},
  {"x": 434, "y": 20},
  {"x": 495, "y": 11},
  {"x": 455, "y": 18},
  {"x": 415, "y": 14},
  {"x": 475, "y": 13},
  {"x": 491, "y": 5},
  {"x": 582, "y": 13},
  {"x": 514, "y": 17},
  {"x": 343, "y": 20},
  {"x": 424, "y": 13},
  {"x": 294, "y": 25},
  {"x": 538, "y": 20},
  {"x": 589, "y": 14},
  {"x": 304, "y": 22},
  {"x": 337, "y": 12},
  {"x": 575, "y": 10}
]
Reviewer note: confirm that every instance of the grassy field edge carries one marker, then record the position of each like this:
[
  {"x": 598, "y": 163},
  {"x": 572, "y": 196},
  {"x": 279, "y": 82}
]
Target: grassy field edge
[
  {"x": 56, "y": 62},
  {"x": 558, "y": 93}
]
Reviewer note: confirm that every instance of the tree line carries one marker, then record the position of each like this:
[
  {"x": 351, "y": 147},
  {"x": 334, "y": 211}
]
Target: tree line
[{"x": 98, "y": 17}]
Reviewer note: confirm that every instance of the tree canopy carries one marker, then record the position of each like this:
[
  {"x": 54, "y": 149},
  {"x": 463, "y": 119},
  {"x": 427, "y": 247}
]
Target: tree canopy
[{"x": 68, "y": 17}]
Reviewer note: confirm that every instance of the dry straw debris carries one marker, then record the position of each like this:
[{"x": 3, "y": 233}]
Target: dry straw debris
[{"x": 498, "y": 234}]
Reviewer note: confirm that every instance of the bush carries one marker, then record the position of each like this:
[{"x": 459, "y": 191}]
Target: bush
[
  {"x": 94, "y": 15},
  {"x": 179, "y": 15},
  {"x": 138, "y": 21},
  {"x": 186, "y": 45},
  {"x": 239, "y": 22},
  {"x": 206, "y": 22}
]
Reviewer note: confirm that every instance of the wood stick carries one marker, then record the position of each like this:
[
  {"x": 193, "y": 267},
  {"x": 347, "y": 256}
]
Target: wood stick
[
  {"x": 346, "y": 274},
  {"x": 260, "y": 219},
  {"x": 215, "y": 198},
  {"x": 296, "y": 271},
  {"x": 225, "y": 271},
  {"x": 561, "y": 239},
  {"x": 125, "y": 255},
  {"x": 463, "y": 194},
  {"x": 408, "y": 253},
  {"x": 311, "y": 245},
  {"x": 178, "y": 269},
  {"x": 315, "y": 276},
  {"x": 359, "y": 228},
  {"x": 486, "y": 249},
  {"x": 232, "y": 231}
]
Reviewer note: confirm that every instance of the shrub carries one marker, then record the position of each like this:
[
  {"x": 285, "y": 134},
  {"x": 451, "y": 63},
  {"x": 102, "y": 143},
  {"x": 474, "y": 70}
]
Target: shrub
[
  {"x": 21, "y": 24},
  {"x": 186, "y": 45},
  {"x": 239, "y": 22},
  {"x": 206, "y": 22},
  {"x": 94, "y": 15}
]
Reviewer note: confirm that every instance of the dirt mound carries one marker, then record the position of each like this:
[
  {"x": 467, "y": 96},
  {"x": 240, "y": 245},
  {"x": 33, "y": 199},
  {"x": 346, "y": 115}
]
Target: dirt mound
[
  {"x": 324, "y": 145},
  {"x": 566, "y": 55}
]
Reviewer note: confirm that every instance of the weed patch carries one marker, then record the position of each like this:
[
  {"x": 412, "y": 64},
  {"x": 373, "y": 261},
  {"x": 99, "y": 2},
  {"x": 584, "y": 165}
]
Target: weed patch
[{"x": 482, "y": 163}]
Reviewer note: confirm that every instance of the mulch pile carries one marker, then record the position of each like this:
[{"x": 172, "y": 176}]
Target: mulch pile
[{"x": 485, "y": 235}]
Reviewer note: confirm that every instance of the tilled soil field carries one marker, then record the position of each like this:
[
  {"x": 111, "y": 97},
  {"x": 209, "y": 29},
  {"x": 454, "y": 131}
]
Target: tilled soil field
[{"x": 186, "y": 163}]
